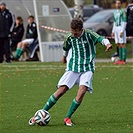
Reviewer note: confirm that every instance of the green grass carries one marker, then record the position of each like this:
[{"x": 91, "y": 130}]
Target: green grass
[
  {"x": 25, "y": 87},
  {"x": 104, "y": 55}
]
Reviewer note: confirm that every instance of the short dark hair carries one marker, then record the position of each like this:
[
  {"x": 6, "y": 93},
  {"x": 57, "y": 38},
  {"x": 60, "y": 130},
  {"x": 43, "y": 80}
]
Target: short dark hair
[
  {"x": 76, "y": 23},
  {"x": 31, "y": 16},
  {"x": 120, "y": 1},
  {"x": 19, "y": 18}
]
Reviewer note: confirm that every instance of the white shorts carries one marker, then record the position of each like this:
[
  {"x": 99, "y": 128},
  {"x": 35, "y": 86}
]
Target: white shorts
[
  {"x": 71, "y": 78},
  {"x": 29, "y": 41},
  {"x": 119, "y": 39}
]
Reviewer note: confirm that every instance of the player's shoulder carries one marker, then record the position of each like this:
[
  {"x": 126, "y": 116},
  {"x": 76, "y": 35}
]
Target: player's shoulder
[
  {"x": 91, "y": 32},
  {"x": 123, "y": 10},
  {"x": 88, "y": 30},
  {"x": 33, "y": 24},
  {"x": 68, "y": 35}
]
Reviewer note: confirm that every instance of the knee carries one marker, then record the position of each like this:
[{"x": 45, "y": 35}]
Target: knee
[
  {"x": 20, "y": 44},
  {"x": 60, "y": 91},
  {"x": 80, "y": 94}
]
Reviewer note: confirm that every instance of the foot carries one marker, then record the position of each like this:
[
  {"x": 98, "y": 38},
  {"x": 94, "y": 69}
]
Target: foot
[
  {"x": 67, "y": 121},
  {"x": 32, "y": 121},
  {"x": 8, "y": 61},
  {"x": 117, "y": 62},
  {"x": 32, "y": 59},
  {"x": 120, "y": 62},
  {"x": 14, "y": 59}
]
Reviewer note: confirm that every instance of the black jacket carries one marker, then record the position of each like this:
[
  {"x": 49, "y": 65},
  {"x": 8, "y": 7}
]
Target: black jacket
[
  {"x": 31, "y": 31},
  {"x": 19, "y": 32},
  {"x": 6, "y": 23},
  {"x": 130, "y": 13}
]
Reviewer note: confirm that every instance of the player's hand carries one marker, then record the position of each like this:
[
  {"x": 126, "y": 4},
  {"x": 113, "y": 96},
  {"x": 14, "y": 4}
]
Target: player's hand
[
  {"x": 121, "y": 34},
  {"x": 64, "y": 60},
  {"x": 108, "y": 47}
]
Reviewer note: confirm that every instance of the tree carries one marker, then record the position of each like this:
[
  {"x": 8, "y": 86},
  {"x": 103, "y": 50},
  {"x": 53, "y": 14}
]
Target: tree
[{"x": 78, "y": 12}]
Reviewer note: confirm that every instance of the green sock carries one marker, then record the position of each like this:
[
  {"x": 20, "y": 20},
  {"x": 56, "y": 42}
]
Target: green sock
[
  {"x": 51, "y": 101},
  {"x": 18, "y": 53},
  {"x": 124, "y": 53},
  {"x": 120, "y": 53},
  {"x": 73, "y": 108}
]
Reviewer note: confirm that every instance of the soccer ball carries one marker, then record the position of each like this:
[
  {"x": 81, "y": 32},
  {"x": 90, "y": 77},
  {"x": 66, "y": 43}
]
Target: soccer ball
[
  {"x": 42, "y": 117},
  {"x": 114, "y": 59}
]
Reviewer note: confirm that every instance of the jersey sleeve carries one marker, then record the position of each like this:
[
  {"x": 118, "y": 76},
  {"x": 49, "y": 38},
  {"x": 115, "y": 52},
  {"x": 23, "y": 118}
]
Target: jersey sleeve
[
  {"x": 124, "y": 20},
  {"x": 67, "y": 45},
  {"x": 124, "y": 15},
  {"x": 96, "y": 38}
]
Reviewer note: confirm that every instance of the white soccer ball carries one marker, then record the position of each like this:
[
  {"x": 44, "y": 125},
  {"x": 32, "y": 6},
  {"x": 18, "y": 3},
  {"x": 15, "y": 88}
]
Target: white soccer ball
[
  {"x": 114, "y": 59},
  {"x": 42, "y": 117}
]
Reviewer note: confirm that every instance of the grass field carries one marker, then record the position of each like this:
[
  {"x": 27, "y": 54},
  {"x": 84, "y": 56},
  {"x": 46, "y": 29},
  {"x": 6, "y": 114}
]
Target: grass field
[{"x": 25, "y": 87}]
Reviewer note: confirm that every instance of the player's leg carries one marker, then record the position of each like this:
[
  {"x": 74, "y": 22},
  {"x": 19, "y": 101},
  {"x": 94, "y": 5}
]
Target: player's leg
[
  {"x": 122, "y": 49},
  {"x": 1, "y": 50},
  {"x": 21, "y": 46},
  {"x": 51, "y": 101},
  {"x": 123, "y": 53},
  {"x": 66, "y": 82},
  {"x": 54, "y": 97},
  {"x": 85, "y": 84},
  {"x": 75, "y": 104},
  {"x": 76, "y": 101},
  {"x": 116, "y": 42},
  {"x": 19, "y": 51}
]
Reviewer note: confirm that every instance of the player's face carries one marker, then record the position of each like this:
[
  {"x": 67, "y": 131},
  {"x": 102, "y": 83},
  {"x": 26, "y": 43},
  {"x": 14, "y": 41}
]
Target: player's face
[
  {"x": 30, "y": 20},
  {"x": 17, "y": 22},
  {"x": 118, "y": 4},
  {"x": 76, "y": 33},
  {"x": 2, "y": 7}
]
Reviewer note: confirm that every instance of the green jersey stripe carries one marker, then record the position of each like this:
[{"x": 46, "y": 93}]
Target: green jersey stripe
[{"x": 83, "y": 51}]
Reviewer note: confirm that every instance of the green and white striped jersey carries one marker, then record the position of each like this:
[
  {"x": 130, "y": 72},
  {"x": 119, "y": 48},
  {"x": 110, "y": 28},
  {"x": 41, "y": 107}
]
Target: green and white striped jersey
[
  {"x": 119, "y": 17},
  {"x": 83, "y": 51}
]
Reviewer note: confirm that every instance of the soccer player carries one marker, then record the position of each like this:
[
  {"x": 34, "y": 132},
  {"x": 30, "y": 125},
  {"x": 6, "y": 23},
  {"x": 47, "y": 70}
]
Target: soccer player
[
  {"x": 31, "y": 35},
  {"x": 80, "y": 66},
  {"x": 119, "y": 31}
]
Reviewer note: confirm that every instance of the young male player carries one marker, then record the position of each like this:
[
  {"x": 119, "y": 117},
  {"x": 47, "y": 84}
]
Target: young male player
[
  {"x": 119, "y": 31},
  {"x": 31, "y": 35},
  {"x": 80, "y": 66}
]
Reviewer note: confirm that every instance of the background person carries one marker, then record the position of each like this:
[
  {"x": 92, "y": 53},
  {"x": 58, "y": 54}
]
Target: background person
[
  {"x": 80, "y": 66},
  {"x": 6, "y": 27},
  {"x": 33, "y": 51},
  {"x": 17, "y": 33},
  {"x": 129, "y": 28},
  {"x": 119, "y": 31},
  {"x": 31, "y": 35}
]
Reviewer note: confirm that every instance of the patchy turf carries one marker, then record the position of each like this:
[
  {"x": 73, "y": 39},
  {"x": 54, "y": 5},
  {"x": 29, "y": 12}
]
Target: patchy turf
[{"x": 25, "y": 87}]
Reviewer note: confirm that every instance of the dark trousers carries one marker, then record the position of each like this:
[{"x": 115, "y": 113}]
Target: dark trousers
[{"x": 5, "y": 49}]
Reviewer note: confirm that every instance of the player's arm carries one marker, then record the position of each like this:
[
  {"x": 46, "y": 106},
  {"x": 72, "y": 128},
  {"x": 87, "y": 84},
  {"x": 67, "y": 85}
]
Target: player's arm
[
  {"x": 113, "y": 29},
  {"x": 124, "y": 21},
  {"x": 66, "y": 47},
  {"x": 65, "y": 53},
  {"x": 106, "y": 43},
  {"x": 102, "y": 40}
]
